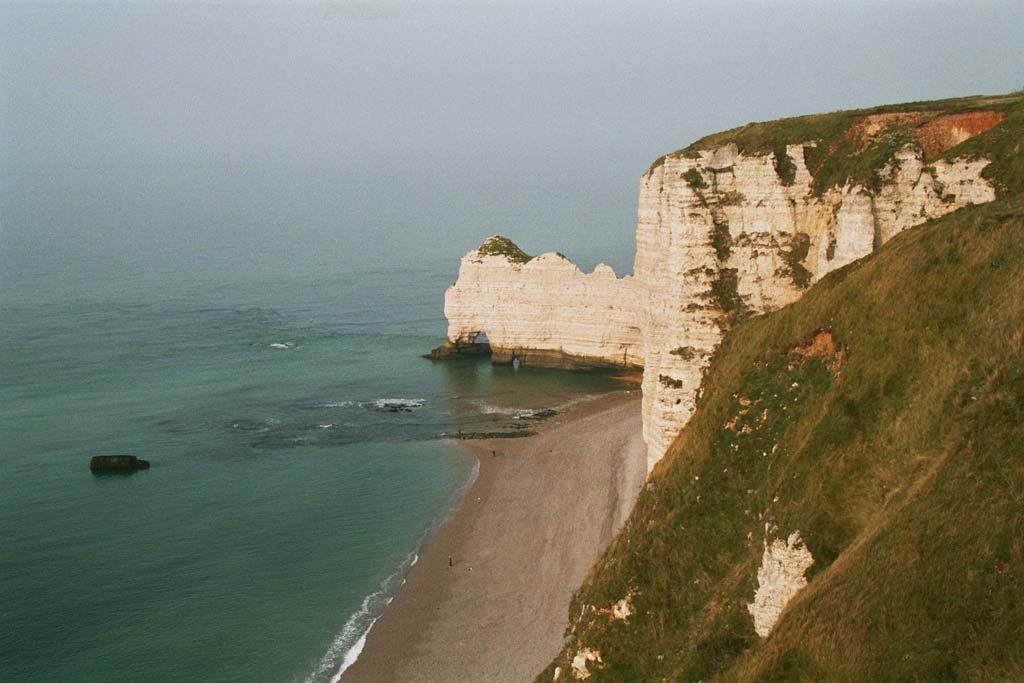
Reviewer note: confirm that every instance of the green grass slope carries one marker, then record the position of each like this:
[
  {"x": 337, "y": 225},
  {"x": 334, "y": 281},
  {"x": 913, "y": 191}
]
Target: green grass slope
[{"x": 882, "y": 417}]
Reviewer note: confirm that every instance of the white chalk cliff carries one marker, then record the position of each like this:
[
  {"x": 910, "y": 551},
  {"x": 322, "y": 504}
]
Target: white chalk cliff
[
  {"x": 543, "y": 310},
  {"x": 720, "y": 234}
]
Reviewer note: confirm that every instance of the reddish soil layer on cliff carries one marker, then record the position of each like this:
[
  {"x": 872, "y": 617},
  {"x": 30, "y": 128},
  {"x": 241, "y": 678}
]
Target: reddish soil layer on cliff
[
  {"x": 935, "y": 136},
  {"x": 865, "y": 131},
  {"x": 946, "y": 132}
]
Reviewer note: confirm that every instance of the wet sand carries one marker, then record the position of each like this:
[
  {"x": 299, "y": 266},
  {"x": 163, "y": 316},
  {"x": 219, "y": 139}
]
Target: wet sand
[{"x": 539, "y": 514}]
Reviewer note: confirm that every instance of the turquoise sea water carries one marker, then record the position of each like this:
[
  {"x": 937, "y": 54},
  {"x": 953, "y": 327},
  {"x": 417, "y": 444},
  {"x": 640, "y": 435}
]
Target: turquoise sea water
[{"x": 294, "y": 433}]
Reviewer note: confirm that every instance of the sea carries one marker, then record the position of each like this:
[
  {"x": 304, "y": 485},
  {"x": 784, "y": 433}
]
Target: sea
[{"x": 300, "y": 445}]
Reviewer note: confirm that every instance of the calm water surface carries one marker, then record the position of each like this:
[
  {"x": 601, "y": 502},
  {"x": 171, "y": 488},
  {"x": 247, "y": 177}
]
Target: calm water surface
[{"x": 294, "y": 431}]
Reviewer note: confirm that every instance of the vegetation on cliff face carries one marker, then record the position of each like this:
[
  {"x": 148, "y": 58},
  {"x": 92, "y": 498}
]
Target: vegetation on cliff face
[
  {"x": 784, "y": 166},
  {"x": 881, "y": 417},
  {"x": 794, "y": 257},
  {"x": 725, "y": 296},
  {"x": 695, "y": 180},
  {"x": 855, "y": 145},
  {"x": 721, "y": 239},
  {"x": 503, "y": 246}
]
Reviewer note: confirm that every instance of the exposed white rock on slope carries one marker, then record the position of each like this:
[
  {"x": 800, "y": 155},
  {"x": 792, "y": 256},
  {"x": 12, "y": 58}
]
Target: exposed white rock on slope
[
  {"x": 780, "y": 577},
  {"x": 773, "y": 240},
  {"x": 584, "y": 657},
  {"x": 544, "y": 305},
  {"x": 718, "y": 232},
  {"x": 623, "y": 609}
]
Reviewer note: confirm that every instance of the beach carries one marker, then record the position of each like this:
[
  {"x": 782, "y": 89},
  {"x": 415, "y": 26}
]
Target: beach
[{"x": 488, "y": 599}]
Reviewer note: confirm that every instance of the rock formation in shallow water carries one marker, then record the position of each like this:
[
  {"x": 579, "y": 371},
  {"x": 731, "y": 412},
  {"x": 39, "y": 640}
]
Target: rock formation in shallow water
[
  {"x": 721, "y": 234},
  {"x": 101, "y": 464},
  {"x": 543, "y": 310}
]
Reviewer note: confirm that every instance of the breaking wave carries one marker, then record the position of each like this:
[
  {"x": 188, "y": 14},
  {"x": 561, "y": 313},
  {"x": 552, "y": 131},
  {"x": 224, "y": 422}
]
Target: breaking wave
[
  {"x": 516, "y": 413},
  {"x": 350, "y": 641},
  {"x": 395, "y": 405}
]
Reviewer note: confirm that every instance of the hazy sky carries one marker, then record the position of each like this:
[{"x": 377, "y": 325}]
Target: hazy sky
[{"x": 339, "y": 124}]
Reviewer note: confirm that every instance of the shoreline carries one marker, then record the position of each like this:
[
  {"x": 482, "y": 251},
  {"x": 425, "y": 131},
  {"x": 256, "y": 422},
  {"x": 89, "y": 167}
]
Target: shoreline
[{"x": 489, "y": 595}]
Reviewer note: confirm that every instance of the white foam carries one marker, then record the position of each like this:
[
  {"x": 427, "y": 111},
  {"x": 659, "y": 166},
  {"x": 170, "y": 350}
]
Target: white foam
[
  {"x": 521, "y": 413},
  {"x": 351, "y": 640},
  {"x": 498, "y": 410},
  {"x": 337, "y": 404},
  {"x": 514, "y": 413},
  {"x": 284, "y": 345},
  {"x": 385, "y": 403},
  {"x": 353, "y": 654},
  {"x": 343, "y": 642}
]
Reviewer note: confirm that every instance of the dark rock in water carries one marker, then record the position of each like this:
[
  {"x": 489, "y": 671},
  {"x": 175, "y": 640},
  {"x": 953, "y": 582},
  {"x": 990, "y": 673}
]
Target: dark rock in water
[
  {"x": 549, "y": 358},
  {"x": 542, "y": 414},
  {"x": 395, "y": 405},
  {"x": 100, "y": 464},
  {"x": 455, "y": 350}
]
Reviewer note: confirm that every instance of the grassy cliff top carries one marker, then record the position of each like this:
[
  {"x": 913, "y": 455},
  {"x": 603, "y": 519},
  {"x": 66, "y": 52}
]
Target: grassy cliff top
[
  {"x": 497, "y": 245},
  {"x": 854, "y": 145},
  {"x": 882, "y": 417}
]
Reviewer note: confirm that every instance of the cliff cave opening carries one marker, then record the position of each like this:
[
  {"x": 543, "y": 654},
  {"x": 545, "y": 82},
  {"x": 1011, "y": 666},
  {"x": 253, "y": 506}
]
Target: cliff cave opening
[{"x": 470, "y": 343}]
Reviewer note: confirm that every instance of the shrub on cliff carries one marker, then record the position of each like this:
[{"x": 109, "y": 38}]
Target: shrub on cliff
[
  {"x": 695, "y": 180},
  {"x": 503, "y": 246}
]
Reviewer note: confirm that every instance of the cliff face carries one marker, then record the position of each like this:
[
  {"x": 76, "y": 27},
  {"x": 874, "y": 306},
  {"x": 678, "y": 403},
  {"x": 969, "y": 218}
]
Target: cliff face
[
  {"x": 722, "y": 235},
  {"x": 739, "y": 223},
  {"x": 543, "y": 310}
]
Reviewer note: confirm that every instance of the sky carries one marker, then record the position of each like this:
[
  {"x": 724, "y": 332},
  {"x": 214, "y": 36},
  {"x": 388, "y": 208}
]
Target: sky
[{"x": 425, "y": 127}]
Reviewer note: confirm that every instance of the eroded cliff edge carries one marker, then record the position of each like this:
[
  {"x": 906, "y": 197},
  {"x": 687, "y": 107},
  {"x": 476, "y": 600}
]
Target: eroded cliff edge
[{"x": 739, "y": 223}]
